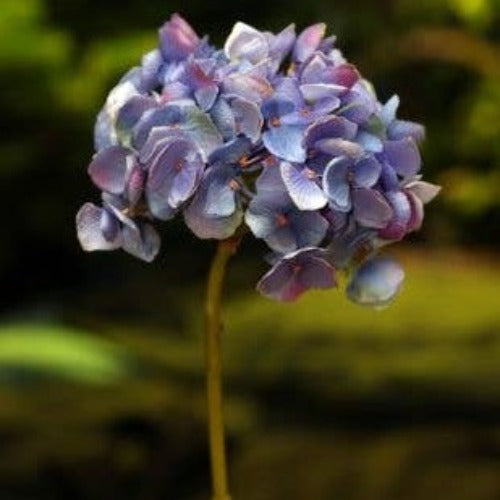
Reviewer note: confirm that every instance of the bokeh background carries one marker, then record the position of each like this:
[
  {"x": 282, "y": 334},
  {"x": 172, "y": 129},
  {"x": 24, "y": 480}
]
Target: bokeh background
[{"x": 101, "y": 364}]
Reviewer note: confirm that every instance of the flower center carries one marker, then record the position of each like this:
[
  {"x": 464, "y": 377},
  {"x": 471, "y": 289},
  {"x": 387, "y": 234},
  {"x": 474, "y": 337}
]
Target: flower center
[
  {"x": 309, "y": 173},
  {"x": 179, "y": 164},
  {"x": 275, "y": 121},
  {"x": 281, "y": 220},
  {"x": 233, "y": 184}
]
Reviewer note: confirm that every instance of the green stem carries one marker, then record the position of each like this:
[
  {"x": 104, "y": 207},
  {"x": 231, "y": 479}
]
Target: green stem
[{"x": 214, "y": 368}]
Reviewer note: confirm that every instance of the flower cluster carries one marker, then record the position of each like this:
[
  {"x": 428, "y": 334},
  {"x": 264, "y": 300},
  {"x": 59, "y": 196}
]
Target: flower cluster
[{"x": 277, "y": 133}]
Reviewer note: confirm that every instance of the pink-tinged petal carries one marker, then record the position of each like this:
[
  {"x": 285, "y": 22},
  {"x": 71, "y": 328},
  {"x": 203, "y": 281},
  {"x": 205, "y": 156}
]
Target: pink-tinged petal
[
  {"x": 245, "y": 42},
  {"x": 308, "y": 41},
  {"x": 89, "y": 221},
  {"x": 345, "y": 75},
  {"x": 403, "y": 156},
  {"x": 135, "y": 184},
  {"x": 177, "y": 39},
  {"x": 109, "y": 168},
  {"x": 370, "y": 208},
  {"x": 376, "y": 282},
  {"x": 304, "y": 191},
  {"x": 424, "y": 191},
  {"x": 417, "y": 212}
]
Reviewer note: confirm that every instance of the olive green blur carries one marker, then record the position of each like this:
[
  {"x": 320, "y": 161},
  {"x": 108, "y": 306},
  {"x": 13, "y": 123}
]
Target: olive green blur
[{"x": 101, "y": 356}]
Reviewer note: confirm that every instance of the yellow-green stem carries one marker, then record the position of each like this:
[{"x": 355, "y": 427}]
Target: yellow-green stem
[{"x": 214, "y": 369}]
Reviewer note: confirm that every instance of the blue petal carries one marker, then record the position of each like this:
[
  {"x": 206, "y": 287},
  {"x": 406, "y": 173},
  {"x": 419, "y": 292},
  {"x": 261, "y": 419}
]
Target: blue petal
[
  {"x": 231, "y": 152},
  {"x": 285, "y": 142},
  {"x": 367, "y": 172},
  {"x": 305, "y": 192},
  {"x": 376, "y": 282}
]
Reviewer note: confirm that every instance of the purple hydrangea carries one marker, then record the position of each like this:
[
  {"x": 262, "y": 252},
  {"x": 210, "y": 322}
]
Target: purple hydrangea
[{"x": 276, "y": 133}]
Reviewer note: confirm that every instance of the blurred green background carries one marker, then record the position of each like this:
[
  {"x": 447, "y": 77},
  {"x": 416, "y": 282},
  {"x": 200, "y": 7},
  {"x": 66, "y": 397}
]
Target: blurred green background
[{"x": 101, "y": 364}]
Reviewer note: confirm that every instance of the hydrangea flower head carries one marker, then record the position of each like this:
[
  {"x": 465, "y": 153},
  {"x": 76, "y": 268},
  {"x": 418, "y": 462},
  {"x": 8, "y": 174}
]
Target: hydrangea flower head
[{"x": 276, "y": 133}]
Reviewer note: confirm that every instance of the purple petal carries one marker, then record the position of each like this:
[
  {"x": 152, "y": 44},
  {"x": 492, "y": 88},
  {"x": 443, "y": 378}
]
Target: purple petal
[
  {"x": 90, "y": 231},
  {"x": 281, "y": 44},
  {"x": 231, "y": 152},
  {"x": 376, "y": 282},
  {"x": 248, "y": 118},
  {"x": 336, "y": 185},
  {"x": 270, "y": 180},
  {"x": 403, "y": 156},
  {"x": 295, "y": 273},
  {"x": 308, "y": 41},
  {"x": 223, "y": 117},
  {"x": 367, "y": 172},
  {"x": 329, "y": 127},
  {"x": 399, "y": 129},
  {"x": 141, "y": 241},
  {"x": 108, "y": 170},
  {"x": 130, "y": 113},
  {"x": 203, "y": 224},
  {"x": 318, "y": 274},
  {"x": 303, "y": 190},
  {"x": 285, "y": 142},
  {"x": 173, "y": 177},
  {"x": 313, "y": 71},
  {"x": 370, "y": 208}
]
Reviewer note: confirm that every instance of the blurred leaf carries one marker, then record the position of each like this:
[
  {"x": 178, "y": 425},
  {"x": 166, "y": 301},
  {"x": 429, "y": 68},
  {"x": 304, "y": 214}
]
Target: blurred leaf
[{"x": 60, "y": 351}]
